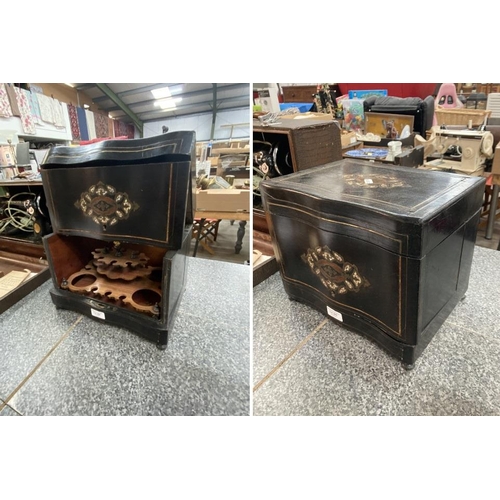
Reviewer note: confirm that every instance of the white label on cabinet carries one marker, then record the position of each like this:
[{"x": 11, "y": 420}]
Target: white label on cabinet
[
  {"x": 334, "y": 314},
  {"x": 97, "y": 314}
]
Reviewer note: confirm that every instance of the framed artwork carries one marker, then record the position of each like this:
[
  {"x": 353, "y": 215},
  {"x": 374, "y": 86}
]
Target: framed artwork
[{"x": 386, "y": 125}]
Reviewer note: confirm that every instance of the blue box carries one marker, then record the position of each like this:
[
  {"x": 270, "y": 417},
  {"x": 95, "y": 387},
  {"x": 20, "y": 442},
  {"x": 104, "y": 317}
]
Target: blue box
[{"x": 363, "y": 94}]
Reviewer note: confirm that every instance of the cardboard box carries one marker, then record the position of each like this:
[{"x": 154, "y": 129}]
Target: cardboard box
[
  {"x": 347, "y": 139},
  {"x": 495, "y": 168},
  {"x": 223, "y": 200}
]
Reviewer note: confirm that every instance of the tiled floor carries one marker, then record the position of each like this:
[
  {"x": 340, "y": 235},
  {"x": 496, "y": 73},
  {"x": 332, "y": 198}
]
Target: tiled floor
[
  {"x": 58, "y": 362},
  {"x": 304, "y": 364}
]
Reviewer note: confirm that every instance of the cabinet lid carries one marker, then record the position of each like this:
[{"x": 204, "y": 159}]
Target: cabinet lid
[
  {"x": 423, "y": 204},
  {"x": 174, "y": 146}
]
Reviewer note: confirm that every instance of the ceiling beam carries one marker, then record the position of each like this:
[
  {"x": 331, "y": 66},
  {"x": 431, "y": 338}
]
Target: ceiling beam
[
  {"x": 138, "y": 90},
  {"x": 214, "y": 111},
  {"x": 185, "y": 95},
  {"x": 199, "y": 104},
  {"x": 137, "y": 122},
  {"x": 85, "y": 86},
  {"x": 155, "y": 116}
]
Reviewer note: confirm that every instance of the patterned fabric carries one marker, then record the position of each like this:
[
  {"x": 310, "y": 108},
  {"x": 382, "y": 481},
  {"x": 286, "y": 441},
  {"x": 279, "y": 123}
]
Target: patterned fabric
[
  {"x": 116, "y": 128},
  {"x": 101, "y": 125},
  {"x": 46, "y": 109},
  {"x": 24, "y": 104},
  {"x": 35, "y": 107},
  {"x": 82, "y": 124},
  {"x": 12, "y": 99},
  {"x": 5, "y": 109},
  {"x": 121, "y": 129},
  {"x": 90, "y": 124},
  {"x": 36, "y": 89},
  {"x": 57, "y": 110},
  {"x": 73, "y": 120},
  {"x": 130, "y": 131},
  {"x": 64, "y": 108}
]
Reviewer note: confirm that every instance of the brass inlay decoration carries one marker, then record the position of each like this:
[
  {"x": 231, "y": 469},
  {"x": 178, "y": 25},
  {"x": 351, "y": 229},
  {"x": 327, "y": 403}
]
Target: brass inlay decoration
[
  {"x": 374, "y": 181},
  {"x": 338, "y": 276},
  {"x": 105, "y": 205}
]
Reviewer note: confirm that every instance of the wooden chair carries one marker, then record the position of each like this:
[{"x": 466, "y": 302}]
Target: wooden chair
[{"x": 204, "y": 232}]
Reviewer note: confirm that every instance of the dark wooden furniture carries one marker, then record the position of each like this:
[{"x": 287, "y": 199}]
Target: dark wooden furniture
[
  {"x": 18, "y": 255},
  {"x": 305, "y": 93},
  {"x": 21, "y": 238},
  {"x": 302, "y": 144},
  {"x": 383, "y": 250},
  {"x": 299, "y": 93},
  {"x": 310, "y": 142},
  {"x": 122, "y": 215}
]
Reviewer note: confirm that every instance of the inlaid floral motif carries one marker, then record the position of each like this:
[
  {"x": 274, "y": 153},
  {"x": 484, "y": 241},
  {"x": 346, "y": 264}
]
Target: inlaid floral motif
[
  {"x": 374, "y": 181},
  {"x": 337, "y": 275},
  {"x": 105, "y": 205}
]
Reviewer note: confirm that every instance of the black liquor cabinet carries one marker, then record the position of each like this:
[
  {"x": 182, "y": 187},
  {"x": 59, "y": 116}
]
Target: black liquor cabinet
[
  {"x": 121, "y": 213},
  {"x": 383, "y": 250}
]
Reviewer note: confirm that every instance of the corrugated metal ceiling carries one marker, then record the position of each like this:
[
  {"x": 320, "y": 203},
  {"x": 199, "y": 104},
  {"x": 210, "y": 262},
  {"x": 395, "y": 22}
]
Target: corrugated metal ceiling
[{"x": 124, "y": 101}]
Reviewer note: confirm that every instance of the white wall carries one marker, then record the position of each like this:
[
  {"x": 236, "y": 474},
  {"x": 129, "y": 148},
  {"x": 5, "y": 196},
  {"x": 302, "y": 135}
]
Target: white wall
[{"x": 202, "y": 125}]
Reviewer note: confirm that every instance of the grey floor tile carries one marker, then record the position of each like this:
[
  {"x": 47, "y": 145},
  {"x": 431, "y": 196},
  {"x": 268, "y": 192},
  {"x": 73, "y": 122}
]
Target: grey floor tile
[
  {"x": 7, "y": 411},
  {"x": 458, "y": 374},
  {"x": 28, "y": 330},
  {"x": 205, "y": 370},
  {"x": 217, "y": 291},
  {"x": 341, "y": 373},
  {"x": 104, "y": 370},
  {"x": 279, "y": 325},
  {"x": 337, "y": 372},
  {"x": 481, "y": 304}
]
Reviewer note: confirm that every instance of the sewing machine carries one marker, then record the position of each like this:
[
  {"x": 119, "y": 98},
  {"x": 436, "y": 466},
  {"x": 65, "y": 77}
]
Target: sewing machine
[{"x": 461, "y": 151}]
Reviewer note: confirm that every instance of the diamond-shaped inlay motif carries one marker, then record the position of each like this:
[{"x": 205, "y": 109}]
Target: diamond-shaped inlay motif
[{"x": 104, "y": 205}]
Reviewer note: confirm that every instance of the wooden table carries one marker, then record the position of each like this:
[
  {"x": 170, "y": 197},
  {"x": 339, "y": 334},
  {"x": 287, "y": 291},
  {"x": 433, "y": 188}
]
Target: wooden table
[{"x": 243, "y": 217}]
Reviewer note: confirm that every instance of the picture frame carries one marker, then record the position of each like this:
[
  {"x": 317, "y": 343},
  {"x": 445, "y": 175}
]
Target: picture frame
[{"x": 387, "y": 125}]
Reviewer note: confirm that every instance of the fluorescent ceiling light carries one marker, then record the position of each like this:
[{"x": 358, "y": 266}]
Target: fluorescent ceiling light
[
  {"x": 161, "y": 93},
  {"x": 168, "y": 103}
]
